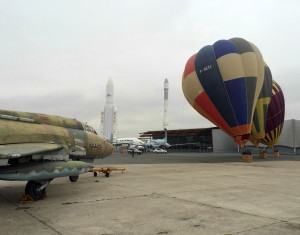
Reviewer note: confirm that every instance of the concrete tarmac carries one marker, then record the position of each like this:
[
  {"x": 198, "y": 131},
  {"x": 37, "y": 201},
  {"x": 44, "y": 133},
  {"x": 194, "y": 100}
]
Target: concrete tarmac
[{"x": 178, "y": 193}]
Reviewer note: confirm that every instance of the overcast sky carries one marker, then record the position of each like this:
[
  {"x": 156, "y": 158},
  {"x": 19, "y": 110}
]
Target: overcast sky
[{"x": 56, "y": 56}]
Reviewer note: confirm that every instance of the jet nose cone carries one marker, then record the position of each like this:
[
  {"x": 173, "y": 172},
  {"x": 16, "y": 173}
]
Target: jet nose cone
[
  {"x": 109, "y": 148},
  {"x": 112, "y": 150}
]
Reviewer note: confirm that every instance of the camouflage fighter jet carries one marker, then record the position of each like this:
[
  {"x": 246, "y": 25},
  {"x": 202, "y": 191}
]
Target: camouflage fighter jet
[{"x": 42, "y": 147}]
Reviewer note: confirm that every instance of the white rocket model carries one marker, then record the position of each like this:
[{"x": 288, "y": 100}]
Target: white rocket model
[
  {"x": 109, "y": 119},
  {"x": 166, "y": 91}
]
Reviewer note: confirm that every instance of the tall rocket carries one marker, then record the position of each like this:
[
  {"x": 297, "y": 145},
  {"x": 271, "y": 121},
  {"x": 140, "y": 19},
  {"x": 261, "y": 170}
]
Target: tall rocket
[
  {"x": 109, "y": 124},
  {"x": 166, "y": 91}
]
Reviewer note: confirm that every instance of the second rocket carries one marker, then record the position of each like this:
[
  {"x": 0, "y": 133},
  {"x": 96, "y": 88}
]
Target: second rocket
[{"x": 166, "y": 91}]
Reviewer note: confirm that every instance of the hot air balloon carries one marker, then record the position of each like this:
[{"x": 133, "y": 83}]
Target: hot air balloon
[
  {"x": 222, "y": 82},
  {"x": 275, "y": 117},
  {"x": 260, "y": 113}
]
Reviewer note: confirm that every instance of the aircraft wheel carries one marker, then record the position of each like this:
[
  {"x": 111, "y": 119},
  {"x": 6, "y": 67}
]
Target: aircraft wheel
[
  {"x": 33, "y": 190},
  {"x": 73, "y": 178},
  {"x": 95, "y": 174},
  {"x": 107, "y": 174}
]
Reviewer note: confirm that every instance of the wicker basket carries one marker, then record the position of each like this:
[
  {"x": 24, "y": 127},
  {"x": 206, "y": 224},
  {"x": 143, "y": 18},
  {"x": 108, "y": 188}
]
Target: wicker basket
[
  {"x": 263, "y": 155},
  {"x": 246, "y": 158},
  {"x": 276, "y": 154}
]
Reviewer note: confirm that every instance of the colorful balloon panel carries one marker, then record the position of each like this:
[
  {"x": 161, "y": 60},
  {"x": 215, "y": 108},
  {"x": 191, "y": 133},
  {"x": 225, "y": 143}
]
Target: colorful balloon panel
[
  {"x": 222, "y": 82},
  {"x": 275, "y": 117},
  {"x": 197, "y": 97},
  {"x": 260, "y": 113}
]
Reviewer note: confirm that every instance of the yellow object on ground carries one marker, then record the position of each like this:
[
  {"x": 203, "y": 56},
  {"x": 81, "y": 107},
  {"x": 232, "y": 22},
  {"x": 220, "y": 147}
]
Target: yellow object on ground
[
  {"x": 106, "y": 171},
  {"x": 28, "y": 199}
]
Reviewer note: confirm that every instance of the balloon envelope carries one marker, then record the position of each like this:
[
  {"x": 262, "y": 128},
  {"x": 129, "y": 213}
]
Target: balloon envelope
[
  {"x": 222, "y": 82},
  {"x": 260, "y": 113},
  {"x": 275, "y": 117}
]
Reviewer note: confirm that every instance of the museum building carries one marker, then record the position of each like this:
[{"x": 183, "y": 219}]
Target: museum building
[{"x": 215, "y": 140}]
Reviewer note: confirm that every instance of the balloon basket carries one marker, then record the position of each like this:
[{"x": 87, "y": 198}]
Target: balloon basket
[
  {"x": 263, "y": 155},
  {"x": 276, "y": 154},
  {"x": 246, "y": 158}
]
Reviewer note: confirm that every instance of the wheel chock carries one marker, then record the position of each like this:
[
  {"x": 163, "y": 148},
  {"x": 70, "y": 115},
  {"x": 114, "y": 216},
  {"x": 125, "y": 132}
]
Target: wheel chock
[{"x": 28, "y": 199}]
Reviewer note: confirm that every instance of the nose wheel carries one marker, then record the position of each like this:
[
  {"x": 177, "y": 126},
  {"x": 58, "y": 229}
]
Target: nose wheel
[
  {"x": 36, "y": 190},
  {"x": 73, "y": 178}
]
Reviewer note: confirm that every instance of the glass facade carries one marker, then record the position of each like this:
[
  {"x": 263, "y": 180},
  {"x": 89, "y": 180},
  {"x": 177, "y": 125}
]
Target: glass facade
[{"x": 187, "y": 140}]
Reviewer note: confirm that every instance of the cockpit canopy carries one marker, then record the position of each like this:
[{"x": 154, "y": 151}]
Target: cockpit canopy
[{"x": 88, "y": 128}]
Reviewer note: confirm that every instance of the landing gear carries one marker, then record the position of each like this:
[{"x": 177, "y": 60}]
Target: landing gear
[
  {"x": 73, "y": 178},
  {"x": 36, "y": 189}
]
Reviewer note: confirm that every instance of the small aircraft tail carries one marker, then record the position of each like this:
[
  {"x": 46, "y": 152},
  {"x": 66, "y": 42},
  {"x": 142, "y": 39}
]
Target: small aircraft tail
[{"x": 165, "y": 134}]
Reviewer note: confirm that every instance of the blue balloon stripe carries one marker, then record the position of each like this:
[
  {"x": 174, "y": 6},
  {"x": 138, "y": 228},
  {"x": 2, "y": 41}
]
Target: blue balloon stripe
[
  {"x": 224, "y": 47},
  {"x": 210, "y": 78},
  {"x": 236, "y": 90}
]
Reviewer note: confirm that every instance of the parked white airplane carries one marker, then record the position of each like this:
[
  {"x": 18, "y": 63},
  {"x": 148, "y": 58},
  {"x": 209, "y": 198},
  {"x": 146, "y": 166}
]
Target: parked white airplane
[
  {"x": 130, "y": 141},
  {"x": 159, "y": 143}
]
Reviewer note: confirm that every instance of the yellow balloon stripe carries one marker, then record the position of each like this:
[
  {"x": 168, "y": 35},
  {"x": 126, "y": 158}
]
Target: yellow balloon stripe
[
  {"x": 253, "y": 129},
  {"x": 231, "y": 67},
  {"x": 249, "y": 64},
  {"x": 276, "y": 87},
  {"x": 192, "y": 87},
  {"x": 267, "y": 138}
]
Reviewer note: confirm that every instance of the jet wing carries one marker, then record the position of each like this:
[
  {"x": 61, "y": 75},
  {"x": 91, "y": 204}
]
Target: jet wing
[{"x": 8, "y": 151}]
